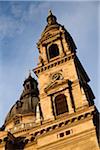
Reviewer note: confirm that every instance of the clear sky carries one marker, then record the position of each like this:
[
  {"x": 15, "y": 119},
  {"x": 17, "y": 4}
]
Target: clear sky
[{"x": 21, "y": 24}]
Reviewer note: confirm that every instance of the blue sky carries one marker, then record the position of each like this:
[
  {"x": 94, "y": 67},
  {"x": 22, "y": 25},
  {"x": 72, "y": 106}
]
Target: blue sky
[{"x": 21, "y": 24}]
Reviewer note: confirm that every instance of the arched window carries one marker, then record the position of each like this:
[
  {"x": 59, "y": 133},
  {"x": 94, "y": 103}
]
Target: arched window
[
  {"x": 53, "y": 51},
  {"x": 61, "y": 104}
]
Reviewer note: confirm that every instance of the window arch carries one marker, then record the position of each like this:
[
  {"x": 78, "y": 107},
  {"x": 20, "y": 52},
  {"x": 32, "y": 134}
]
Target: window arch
[
  {"x": 61, "y": 104},
  {"x": 53, "y": 51}
]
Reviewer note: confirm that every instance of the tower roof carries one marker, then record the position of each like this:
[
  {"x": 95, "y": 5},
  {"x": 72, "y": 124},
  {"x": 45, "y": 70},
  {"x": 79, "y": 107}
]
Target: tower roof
[
  {"x": 51, "y": 19},
  {"x": 52, "y": 25},
  {"x": 29, "y": 79},
  {"x": 27, "y": 102},
  {"x": 54, "y": 28}
]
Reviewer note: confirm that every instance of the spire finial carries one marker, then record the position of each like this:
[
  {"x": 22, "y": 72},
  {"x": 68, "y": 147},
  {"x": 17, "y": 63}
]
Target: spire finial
[
  {"x": 51, "y": 19},
  {"x": 29, "y": 72},
  {"x": 50, "y": 12}
]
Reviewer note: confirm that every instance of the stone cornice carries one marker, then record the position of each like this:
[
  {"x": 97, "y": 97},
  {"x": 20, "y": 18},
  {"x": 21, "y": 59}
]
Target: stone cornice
[
  {"x": 54, "y": 63},
  {"x": 64, "y": 120},
  {"x": 83, "y": 135},
  {"x": 84, "y": 114}
]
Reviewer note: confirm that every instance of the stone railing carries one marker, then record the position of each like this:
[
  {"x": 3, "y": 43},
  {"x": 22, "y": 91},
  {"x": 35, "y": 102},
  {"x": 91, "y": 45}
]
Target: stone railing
[{"x": 22, "y": 127}]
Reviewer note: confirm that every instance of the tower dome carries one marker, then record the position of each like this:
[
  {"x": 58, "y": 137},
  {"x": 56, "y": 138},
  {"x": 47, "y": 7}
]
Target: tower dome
[
  {"x": 51, "y": 19},
  {"x": 24, "y": 110},
  {"x": 52, "y": 25}
]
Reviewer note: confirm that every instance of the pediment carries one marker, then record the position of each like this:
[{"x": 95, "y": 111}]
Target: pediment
[{"x": 56, "y": 86}]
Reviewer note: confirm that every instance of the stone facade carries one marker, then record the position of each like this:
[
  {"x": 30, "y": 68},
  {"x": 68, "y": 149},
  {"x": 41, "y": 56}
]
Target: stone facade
[{"x": 61, "y": 115}]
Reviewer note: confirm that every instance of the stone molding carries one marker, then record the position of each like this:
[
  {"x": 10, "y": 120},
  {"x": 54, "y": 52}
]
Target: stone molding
[
  {"x": 67, "y": 121},
  {"x": 38, "y": 70}
]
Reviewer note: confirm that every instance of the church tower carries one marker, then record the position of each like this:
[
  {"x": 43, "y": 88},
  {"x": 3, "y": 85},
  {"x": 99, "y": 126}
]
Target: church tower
[
  {"x": 65, "y": 95},
  {"x": 61, "y": 114}
]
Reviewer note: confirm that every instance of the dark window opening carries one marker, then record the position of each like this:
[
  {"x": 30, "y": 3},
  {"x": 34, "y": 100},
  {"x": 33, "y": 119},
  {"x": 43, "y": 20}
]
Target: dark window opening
[
  {"x": 61, "y": 134},
  {"x": 64, "y": 133},
  {"x": 61, "y": 104},
  {"x": 53, "y": 51},
  {"x": 32, "y": 86},
  {"x": 67, "y": 132},
  {"x": 27, "y": 86}
]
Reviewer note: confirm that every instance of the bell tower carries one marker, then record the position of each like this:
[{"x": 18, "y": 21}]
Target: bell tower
[
  {"x": 63, "y": 84},
  {"x": 60, "y": 114},
  {"x": 62, "y": 79}
]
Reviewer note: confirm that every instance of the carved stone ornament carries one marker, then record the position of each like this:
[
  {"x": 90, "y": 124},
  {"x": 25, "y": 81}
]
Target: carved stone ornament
[
  {"x": 57, "y": 76},
  {"x": 56, "y": 85}
]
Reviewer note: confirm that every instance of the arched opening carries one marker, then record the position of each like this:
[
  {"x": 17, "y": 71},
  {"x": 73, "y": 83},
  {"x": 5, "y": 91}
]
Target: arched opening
[
  {"x": 53, "y": 51},
  {"x": 61, "y": 104}
]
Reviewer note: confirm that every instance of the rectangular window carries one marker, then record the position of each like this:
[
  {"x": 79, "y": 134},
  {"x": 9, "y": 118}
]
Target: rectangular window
[
  {"x": 67, "y": 132},
  {"x": 61, "y": 134}
]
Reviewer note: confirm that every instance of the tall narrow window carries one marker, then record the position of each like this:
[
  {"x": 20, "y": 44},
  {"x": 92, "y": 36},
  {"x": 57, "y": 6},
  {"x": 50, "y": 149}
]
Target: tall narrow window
[
  {"x": 53, "y": 51},
  {"x": 61, "y": 104}
]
